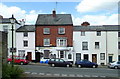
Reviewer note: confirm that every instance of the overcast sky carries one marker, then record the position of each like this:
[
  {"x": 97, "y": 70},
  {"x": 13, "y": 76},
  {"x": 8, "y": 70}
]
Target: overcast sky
[{"x": 96, "y": 12}]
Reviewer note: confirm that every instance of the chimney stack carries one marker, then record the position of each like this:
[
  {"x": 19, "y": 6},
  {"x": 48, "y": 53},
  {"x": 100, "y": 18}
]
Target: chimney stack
[
  {"x": 54, "y": 13},
  {"x": 85, "y": 23}
]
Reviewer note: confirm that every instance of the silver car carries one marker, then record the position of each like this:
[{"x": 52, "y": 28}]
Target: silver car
[{"x": 114, "y": 65}]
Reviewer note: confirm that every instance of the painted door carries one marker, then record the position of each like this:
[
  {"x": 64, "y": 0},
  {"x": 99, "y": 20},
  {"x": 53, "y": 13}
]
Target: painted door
[
  {"x": 110, "y": 59},
  {"x": 29, "y": 54},
  {"x": 94, "y": 58},
  {"x": 78, "y": 56},
  {"x": 37, "y": 56}
]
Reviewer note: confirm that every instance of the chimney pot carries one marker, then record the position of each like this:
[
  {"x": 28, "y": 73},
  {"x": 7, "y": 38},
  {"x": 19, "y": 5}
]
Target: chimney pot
[{"x": 54, "y": 13}]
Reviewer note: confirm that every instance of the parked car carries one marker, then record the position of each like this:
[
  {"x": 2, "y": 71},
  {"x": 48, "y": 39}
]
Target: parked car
[
  {"x": 115, "y": 65},
  {"x": 85, "y": 63},
  {"x": 59, "y": 62},
  {"x": 44, "y": 60},
  {"x": 18, "y": 60}
]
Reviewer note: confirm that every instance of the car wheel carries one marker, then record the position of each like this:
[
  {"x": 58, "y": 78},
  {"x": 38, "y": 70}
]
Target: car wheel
[
  {"x": 116, "y": 67},
  {"x": 53, "y": 65},
  {"x": 21, "y": 63},
  {"x": 68, "y": 65},
  {"x": 9, "y": 62},
  {"x": 79, "y": 66},
  {"x": 94, "y": 66}
]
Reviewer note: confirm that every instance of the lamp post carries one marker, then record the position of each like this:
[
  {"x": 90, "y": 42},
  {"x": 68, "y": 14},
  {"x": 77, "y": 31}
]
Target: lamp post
[{"x": 12, "y": 20}]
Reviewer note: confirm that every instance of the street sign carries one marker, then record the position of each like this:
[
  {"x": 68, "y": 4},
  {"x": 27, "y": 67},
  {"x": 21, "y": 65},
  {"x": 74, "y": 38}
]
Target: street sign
[{"x": 12, "y": 49}]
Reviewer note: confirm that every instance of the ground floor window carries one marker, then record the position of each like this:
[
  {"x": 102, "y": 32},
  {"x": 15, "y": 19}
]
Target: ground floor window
[
  {"x": 69, "y": 56},
  {"x": 61, "y": 54},
  {"x": 21, "y": 52},
  {"x": 102, "y": 56}
]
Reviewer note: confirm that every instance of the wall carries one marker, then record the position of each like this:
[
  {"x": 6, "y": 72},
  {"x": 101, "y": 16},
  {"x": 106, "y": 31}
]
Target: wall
[
  {"x": 31, "y": 43},
  {"x": 53, "y": 35}
]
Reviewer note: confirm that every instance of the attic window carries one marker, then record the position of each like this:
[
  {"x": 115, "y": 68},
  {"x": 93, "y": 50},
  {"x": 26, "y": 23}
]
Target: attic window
[
  {"x": 61, "y": 30},
  {"x": 25, "y": 34}
]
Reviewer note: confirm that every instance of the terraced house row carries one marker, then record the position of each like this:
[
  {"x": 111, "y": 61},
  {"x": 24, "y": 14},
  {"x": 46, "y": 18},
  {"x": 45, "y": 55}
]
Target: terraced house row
[{"x": 55, "y": 36}]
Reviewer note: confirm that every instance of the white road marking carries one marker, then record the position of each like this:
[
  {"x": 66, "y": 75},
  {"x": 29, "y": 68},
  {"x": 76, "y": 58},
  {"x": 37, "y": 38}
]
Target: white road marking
[
  {"x": 27, "y": 72},
  {"x": 48, "y": 74},
  {"x": 64, "y": 75},
  {"x": 33, "y": 73},
  {"x": 79, "y": 75},
  {"x": 86, "y": 75},
  {"x": 56, "y": 74},
  {"x": 41, "y": 73},
  {"x": 94, "y": 76},
  {"x": 71, "y": 75}
]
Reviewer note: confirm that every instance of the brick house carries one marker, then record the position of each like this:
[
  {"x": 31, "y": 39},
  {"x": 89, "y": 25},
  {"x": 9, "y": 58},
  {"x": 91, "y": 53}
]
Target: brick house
[{"x": 54, "y": 35}]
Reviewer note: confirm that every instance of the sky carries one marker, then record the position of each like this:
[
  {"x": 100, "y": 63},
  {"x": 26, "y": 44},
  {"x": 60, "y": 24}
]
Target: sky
[{"x": 96, "y": 12}]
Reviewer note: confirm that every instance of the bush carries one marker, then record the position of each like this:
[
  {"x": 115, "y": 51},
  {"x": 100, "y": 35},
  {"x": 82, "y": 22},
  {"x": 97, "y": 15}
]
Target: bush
[{"x": 10, "y": 72}]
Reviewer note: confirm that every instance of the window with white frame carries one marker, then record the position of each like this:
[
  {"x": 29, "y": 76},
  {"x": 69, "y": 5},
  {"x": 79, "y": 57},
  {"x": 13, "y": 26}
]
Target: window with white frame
[
  {"x": 102, "y": 56},
  {"x": 5, "y": 28},
  {"x": 46, "y": 42},
  {"x": 84, "y": 45},
  {"x": 46, "y": 31},
  {"x": 96, "y": 45},
  {"x": 61, "y": 30},
  {"x": 25, "y": 34},
  {"x": 69, "y": 56},
  {"x": 98, "y": 33},
  {"x": 61, "y": 54},
  {"x": 82, "y": 33},
  {"x": 25, "y": 43},
  {"x": 61, "y": 42}
]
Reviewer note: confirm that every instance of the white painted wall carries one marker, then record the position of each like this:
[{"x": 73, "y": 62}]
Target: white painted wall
[
  {"x": 31, "y": 43},
  {"x": 91, "y": 38}
]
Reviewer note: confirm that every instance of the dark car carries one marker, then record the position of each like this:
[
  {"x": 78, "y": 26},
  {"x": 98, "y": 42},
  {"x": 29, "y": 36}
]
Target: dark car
[
  {"x": 85, "y": 63},
  {"x": 59, "y": 62}
]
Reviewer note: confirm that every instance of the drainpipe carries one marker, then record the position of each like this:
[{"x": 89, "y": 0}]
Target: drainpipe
[{"x": 106, "y": 48}]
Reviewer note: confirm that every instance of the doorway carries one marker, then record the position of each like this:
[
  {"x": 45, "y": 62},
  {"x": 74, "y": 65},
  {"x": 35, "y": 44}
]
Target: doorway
[
  {"x": 37, "y": 56},
  {"x": 94, "y": 58},
  {"x": 29, "y": 54},
  {"x": 110, "y": 59},
  {"x": 86, "y": 57}
]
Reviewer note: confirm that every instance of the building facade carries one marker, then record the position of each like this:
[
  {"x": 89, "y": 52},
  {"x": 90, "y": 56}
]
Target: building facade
[
  {"x": 25, "y": 42},
  {"x": 96, "y": 43},
  {"x": 54, "y": 35}
]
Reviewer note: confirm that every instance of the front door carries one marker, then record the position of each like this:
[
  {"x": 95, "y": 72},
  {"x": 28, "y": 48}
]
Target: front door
[
  {"x": 29, "y": 54},
  {"x": 86, "y": 57},
  {"x": 94, "y": 58},
  {"x": 37, "y": 56},
  {"x": 110, "y": 59},
  {"x": 78, "y": 56}
]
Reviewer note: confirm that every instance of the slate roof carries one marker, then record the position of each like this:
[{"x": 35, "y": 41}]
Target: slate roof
[
  {"x": 97, "y": 28},
  {"x": 7, "y": 20},
  {"x": 26, "y": 28},
  {"x": 59, "y": 19}
]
